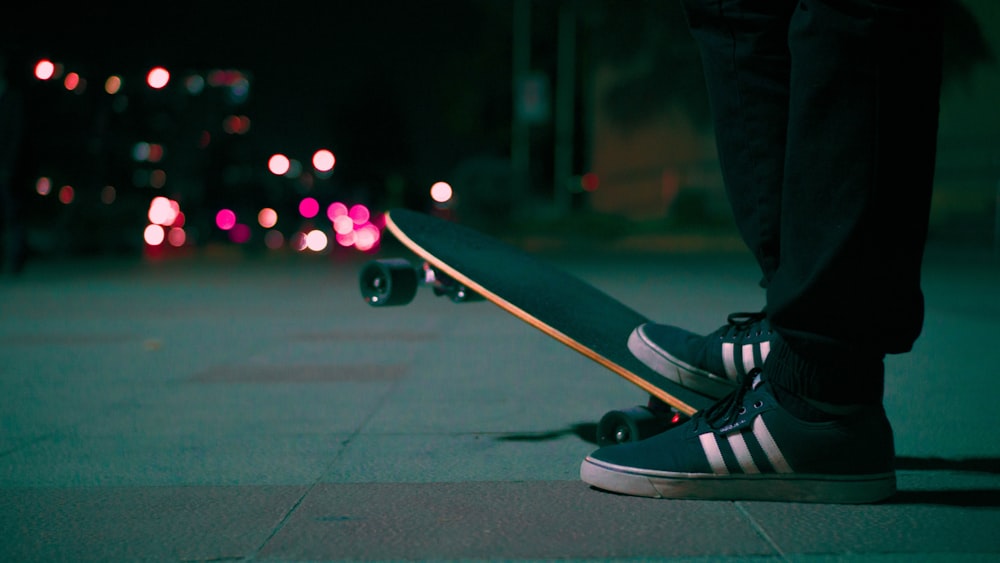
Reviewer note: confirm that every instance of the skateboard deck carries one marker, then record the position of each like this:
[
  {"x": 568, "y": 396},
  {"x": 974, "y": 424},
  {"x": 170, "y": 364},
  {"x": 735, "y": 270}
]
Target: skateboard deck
[{"x": 465, "y": 264}]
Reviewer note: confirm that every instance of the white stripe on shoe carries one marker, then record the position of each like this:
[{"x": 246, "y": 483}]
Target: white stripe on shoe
[
  {"x": 742, "y": 452},
  {"x": 738, "y": 443},
  {"x": 752, "y": 356},
  {"x": 729, "y": 360},
  {"x": 749, "y": 362},
  {"x": 713, "y": 454},
  {"x": 770, "y": 447}
]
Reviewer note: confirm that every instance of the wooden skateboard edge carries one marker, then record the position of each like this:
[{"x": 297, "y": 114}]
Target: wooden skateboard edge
[{"x": 628, "y": 375}]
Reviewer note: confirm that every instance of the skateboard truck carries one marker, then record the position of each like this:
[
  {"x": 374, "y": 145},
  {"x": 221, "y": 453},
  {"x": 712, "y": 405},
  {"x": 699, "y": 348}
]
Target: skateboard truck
[
  {"x": 636, "y": 423},
  {"x": 394, "y": 281}
]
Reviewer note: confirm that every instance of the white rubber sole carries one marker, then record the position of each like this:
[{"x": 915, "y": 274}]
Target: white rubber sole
[
  {"x": 697, "y": 380},
  {"x": 832, "y": 489}
]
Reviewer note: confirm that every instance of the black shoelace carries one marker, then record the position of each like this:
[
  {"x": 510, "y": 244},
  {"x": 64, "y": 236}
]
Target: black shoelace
[
  {"x": 726, "y": 413},
  {"x": 741, "y": 325}
]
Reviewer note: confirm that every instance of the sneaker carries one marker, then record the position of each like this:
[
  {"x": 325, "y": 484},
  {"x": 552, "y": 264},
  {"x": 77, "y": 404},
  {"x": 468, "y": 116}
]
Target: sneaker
[
  {"x": 711, "y": 365},
  {"x": 748, "y": 447}
]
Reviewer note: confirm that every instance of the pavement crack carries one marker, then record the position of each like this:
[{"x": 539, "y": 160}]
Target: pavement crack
[
  {"x": 319, "y": 479},
  {"x": 759, "y": 530}
]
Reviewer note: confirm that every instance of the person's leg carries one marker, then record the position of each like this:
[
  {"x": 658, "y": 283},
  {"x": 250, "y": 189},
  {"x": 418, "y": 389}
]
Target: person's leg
[
  {"x": 859, "y": 166},
  {"x": 852, "y": 198},
  {"x": 746, "y": 62},
  {"x": 747, "y": 66},
  {"x": 865, "y": 81}
]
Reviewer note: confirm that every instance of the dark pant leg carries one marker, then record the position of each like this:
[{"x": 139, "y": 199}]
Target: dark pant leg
[
  {"x": 859, "y": 166},
  {"x": 744, "y": 51},
  {"x": 825, "y": 119}
]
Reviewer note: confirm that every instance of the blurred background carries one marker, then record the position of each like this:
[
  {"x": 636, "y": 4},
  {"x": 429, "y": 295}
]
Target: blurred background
[{"x": 165, "y": 129}]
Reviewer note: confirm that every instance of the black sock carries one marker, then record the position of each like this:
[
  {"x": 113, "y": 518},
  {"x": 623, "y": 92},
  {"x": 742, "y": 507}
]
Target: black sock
[{"x": 809, "y": 410}]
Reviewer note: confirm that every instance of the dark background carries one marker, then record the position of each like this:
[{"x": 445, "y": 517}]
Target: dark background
[{"x": 405, "y": 93}]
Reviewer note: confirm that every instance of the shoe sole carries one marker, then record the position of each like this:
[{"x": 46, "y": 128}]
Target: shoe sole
[
  {"x": 682, "y": 373},
  {"x": 830, "y": 489}
]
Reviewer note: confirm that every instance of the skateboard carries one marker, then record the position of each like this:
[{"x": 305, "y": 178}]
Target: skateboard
[{"x": 465, "y": 265}]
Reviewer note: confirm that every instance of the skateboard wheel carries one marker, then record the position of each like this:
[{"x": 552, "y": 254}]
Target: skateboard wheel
[
  {"x": 388, "y": 282},
  {"x": 631, "y": 425},
  {"x": 445, "y": 285}
]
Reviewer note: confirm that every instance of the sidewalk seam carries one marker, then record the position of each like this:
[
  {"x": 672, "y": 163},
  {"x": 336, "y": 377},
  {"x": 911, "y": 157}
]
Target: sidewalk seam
[
  {"x": 759, "y": 530},
  {"x": 319, "y": 479}
]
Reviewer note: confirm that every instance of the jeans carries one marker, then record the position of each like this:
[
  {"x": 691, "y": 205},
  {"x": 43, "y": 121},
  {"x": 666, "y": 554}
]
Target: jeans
[{"x": 825, "y": 116}]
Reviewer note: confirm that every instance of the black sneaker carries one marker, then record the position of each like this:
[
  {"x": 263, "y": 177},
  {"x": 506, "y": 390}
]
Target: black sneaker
[
  {"x": 711, "y": 365},
  {"x": 747, "y": 447}
]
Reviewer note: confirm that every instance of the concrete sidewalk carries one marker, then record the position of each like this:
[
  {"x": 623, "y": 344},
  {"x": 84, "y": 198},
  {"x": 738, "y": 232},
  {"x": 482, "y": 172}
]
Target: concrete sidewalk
[{"x": 211, "y": 410}]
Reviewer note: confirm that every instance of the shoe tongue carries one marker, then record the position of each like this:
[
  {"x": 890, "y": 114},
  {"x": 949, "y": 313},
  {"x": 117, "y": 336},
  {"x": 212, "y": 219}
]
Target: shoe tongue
[
  {"x": 725, "y": 414},
  {"x": 751, "y": 381}
]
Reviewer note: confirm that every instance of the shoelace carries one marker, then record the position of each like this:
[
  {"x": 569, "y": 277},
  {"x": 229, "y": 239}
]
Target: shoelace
[
  {"x": 729, "y": 409},
  {"x": 740, "y": 325}
]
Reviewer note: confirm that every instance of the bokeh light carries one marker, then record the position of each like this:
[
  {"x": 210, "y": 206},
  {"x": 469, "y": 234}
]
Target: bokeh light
[
  {"x": 441, "y": 192},
  {"x": 194, "y": 84},
  {"x": 176, "y": 237},
  {"x": 45, "y": 69},
  {"x": 353, "y": 226},
  {"x": 274, "y": 240},
  {"x": 323, "y": 160},
  {"x": 309, "y": 207},
  {"x": 343, "y": 225},
  {"x": 316, "y": 240},
  {"x": 278, "y": 164},
  {"x": 336, "y": 209},
  {"x": 73, "y": 82},
  {"x": 140, "y": 151},
  {"x": 225, "y": 219},
  {"x": 163, "y": 211},
  {"x": 236, "y": 124},
  {"x": 158, "y": 78},
  {"x": 359, "y": 214},
  {"x": 240, "y": 233},
  {"x": 113, "y": 84},
  {"x": 157, "y": 178},
  {"x": 108, "y": 195},
  {"x": 153, "y": 235},
  {"x": 367, "y": 237},
  {"x": 155, "y": 152},
  {"x": 346, "y": 239},
  {"x": 43, "y": 186},
  {"x": 267, "y": 218},
  {"x": 66, "y": 194}
]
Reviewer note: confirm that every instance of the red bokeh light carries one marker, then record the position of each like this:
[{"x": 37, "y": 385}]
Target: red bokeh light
[
  {"x": 45, "y": 69},
  {"x": 225, "y": 219},
  {"x": 309, "y": 207},
  {"x": 158, "y": 78},
  {"x": 323, "y": 160},
  {"x": 279, "y": 164}
]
